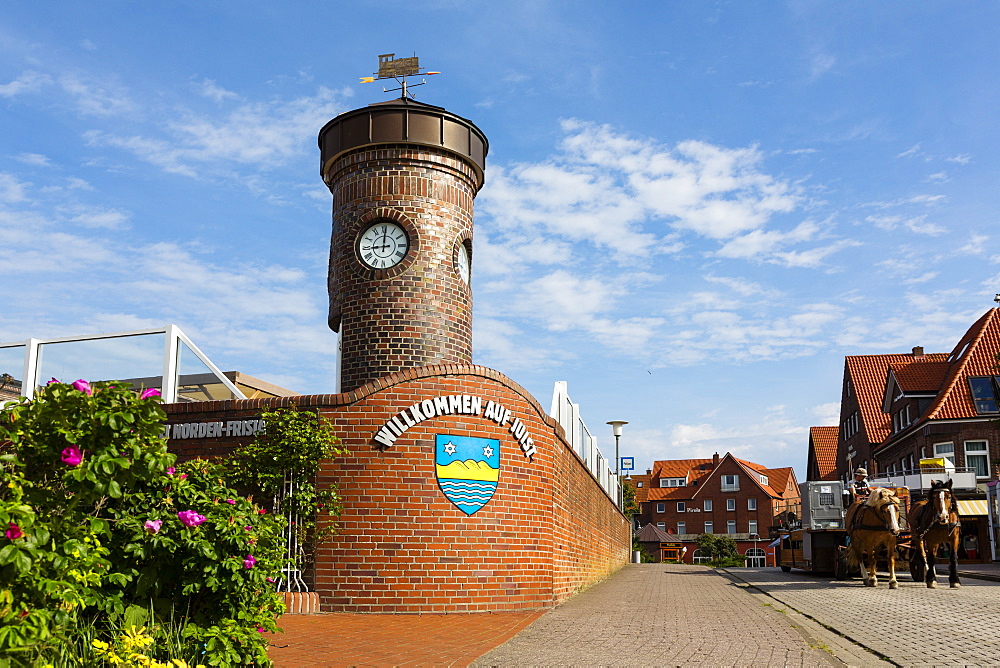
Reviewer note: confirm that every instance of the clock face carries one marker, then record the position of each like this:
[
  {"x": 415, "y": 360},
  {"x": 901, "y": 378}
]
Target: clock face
[
  {"x": 463, "y": 262},
  {"x": 383, "y": 245}
]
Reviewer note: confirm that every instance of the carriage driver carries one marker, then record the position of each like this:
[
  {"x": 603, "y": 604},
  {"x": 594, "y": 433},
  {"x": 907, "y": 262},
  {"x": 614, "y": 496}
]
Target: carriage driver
[{"x": 860, "y": 485}]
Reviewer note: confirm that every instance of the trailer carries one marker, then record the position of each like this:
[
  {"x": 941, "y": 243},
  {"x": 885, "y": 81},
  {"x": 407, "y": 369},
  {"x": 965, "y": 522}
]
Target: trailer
[{"x": 820, "y": 543}]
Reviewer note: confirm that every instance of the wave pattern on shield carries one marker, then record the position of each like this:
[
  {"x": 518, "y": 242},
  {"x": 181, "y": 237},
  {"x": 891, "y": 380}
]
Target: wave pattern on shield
[{"x": 468, "y": 470}]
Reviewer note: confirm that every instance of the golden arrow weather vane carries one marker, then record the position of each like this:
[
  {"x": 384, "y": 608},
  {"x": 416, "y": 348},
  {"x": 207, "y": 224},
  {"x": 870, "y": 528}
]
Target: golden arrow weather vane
[{"x": 390, "y": 67}]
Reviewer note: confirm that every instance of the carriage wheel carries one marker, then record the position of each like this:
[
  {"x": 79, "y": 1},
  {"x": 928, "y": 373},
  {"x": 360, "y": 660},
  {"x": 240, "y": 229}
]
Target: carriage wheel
[{"x": 840, "y": 567}]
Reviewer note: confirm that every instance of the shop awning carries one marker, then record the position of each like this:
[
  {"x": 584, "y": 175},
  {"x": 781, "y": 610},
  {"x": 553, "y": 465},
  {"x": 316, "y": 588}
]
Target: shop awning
[{"x": 972, "y": 507}]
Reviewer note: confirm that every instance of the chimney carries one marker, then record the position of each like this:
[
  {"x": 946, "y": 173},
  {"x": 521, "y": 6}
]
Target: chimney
[
  {"x": 918, "y": 352},
  {"x": 715, "y": 460},
  {"x": 649, "y": 471}
]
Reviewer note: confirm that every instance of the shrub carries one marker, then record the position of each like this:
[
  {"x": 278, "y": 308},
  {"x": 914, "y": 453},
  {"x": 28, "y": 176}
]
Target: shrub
[{"x": 98, "y": 522}]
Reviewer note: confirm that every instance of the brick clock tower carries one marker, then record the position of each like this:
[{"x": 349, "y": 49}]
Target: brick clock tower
[{"x": 403, "y": 175}]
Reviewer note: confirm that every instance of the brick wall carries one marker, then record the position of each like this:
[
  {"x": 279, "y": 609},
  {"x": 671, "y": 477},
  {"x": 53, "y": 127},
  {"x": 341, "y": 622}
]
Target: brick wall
[
  {"x": 420, "y": 311},
  {"x": 548, "y": 531}
]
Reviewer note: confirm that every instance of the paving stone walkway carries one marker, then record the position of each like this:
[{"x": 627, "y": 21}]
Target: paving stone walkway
[
  {"x": 911, "y": 626},
  {"x": 664, "y": 615}
]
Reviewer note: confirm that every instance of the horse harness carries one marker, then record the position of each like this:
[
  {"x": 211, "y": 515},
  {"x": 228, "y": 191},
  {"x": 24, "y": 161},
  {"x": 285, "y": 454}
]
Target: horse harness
[{"x": 867, "y": 527}]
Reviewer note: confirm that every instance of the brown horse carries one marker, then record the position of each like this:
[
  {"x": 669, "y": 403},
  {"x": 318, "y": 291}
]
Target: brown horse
[
  {"x": 873, "y": 525},
  {"x": 934, "y": 521}
]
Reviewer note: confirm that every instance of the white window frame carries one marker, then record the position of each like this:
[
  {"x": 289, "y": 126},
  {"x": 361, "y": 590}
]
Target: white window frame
[
  {"x": 730, "y": 483},
  {"x": 752, "y": 503},
  {"x": 681, "y": 527},
  {"x": 730, "y": 505},
  {"x": 708, "y": 505},
  {"x": 661, "y": 508},
  {"x": 662, "y": 526},
  {"x": 756, "y": 557},
  {"x": 730, "y": 527},
  {"x": 985, "y": 452},
  {"x": 709, "y": 527},
  {"x": 681, "y": 507},
  {"x": 752, "y": 526},
  {"x": 949, "y": 455}
]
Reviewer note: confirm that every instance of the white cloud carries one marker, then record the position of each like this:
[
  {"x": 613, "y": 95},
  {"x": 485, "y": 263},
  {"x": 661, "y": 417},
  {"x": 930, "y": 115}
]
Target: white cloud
[
  {"x": 111, "y": 219},
  {"x": 263, "y": 135},
  {"x": 962, "y": 159},
  {"x": 827, "y": 414},
  {"x": 104, "y": 98},
  {"x": 12, "y": 190},
  {"x": 214, "y": 92},
  {"x": 28, "y": 82},
  {"x": 33, "y": 159},
  {"x": 910, "y": 152},
  {"x": 916, "y": 224}
]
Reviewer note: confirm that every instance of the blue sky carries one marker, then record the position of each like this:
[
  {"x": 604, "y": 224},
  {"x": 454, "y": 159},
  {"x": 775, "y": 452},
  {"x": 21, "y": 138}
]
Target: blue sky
[{"x": 693, "y": 210}]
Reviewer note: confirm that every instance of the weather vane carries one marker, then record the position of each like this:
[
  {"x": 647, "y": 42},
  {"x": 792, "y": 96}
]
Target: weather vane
[{"x": 390, "y": 67}]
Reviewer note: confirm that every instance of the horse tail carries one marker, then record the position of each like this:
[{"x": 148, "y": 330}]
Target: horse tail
[{"x": 852, "y": 557}]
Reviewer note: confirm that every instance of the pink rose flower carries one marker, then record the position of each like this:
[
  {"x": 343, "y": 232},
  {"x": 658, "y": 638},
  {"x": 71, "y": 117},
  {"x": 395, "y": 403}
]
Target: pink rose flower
[
  {"x": 71, "y": 455},
  {"x": 83, "y": 386},
  {"x": 262, "y": 511},
  {"x": 52, "y": 381},
  {"x": 190, "y": 518},
  {"x": 271, "y": 580},
  {"x": 231, "y": 501},
  {"x": 153, "y": 526},
  {"x": 260, "y": 629},
  {"x": 249, "y": 562},
  {"x": 149, "y": 392},
  {"x": 14, "y": 532}
]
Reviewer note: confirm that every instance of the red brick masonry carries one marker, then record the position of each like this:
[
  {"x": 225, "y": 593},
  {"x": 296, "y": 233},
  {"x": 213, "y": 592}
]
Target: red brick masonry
[{"x": 549, "y": 529}]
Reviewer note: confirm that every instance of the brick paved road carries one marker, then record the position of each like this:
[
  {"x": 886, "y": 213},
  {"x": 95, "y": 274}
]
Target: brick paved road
[
  {"x": 667, "y": 615},
  {"x": 911, "y": 626}
]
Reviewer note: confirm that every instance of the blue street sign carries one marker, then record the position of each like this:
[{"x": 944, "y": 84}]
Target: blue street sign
[{"x": 628, "y": 463}]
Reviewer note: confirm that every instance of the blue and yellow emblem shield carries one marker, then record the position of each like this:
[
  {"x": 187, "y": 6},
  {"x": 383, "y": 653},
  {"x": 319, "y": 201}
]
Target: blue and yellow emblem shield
[{"x": 468, "y": 470}]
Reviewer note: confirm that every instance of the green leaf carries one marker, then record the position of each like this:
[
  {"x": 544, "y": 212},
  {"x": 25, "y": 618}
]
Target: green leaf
[{"x": 22, "y": 562}]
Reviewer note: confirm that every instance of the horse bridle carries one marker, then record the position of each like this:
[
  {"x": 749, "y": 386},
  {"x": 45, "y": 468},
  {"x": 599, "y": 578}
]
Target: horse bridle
[{"x": 951, "y": 526}]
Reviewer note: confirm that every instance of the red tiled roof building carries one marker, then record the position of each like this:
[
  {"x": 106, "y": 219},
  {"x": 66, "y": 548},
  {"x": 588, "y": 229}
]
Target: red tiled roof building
[{"x": 727, "y": 495}]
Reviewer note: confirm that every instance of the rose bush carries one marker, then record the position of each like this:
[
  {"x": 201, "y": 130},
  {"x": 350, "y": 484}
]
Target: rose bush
[{"x": 100, "y": 521}]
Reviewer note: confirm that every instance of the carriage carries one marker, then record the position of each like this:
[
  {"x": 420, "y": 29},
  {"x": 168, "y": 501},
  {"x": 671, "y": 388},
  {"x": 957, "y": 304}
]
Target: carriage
[{"x": 819, "y": 544}]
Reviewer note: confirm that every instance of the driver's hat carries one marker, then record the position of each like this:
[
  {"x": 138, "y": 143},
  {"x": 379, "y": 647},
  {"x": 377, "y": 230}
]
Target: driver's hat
[{"x": 861, "y": 471}]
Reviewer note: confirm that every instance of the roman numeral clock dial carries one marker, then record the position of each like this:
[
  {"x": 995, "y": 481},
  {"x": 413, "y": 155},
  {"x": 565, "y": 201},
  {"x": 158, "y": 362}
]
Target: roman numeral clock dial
[{"x": 383, "y": 245}]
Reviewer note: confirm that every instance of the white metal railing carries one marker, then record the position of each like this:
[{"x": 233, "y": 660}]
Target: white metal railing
[
  {"x": 961, "y": 477},
  {"x": 567, "y": 414},
  {"x": 170, "y": 372}
]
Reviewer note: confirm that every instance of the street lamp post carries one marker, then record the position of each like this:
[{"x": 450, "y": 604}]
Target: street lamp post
[{"x": 616, "y": 428}]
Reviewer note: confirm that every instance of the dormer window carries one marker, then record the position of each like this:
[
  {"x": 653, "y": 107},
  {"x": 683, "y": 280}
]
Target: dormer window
[
  {"x": 673, "y": 482},
  {"x": 984, "y": 393}
]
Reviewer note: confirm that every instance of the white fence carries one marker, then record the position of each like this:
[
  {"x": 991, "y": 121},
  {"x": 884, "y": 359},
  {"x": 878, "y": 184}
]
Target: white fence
[{"x": 581, "y": 440}]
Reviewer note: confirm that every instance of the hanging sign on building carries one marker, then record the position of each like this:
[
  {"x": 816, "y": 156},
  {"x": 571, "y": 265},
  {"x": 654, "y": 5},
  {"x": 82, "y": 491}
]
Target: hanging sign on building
[{"x": 455, "y": 404}]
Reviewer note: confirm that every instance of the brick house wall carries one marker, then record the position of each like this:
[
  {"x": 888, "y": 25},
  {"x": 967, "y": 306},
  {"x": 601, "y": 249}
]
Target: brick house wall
[
  {"x": 403, "y": 547},
  {"x": 767, "y": 514}
]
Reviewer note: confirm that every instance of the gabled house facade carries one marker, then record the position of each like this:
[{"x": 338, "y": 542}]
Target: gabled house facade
[
  {"x": 863, "y": 425},
  {"x": 822, "y": 461},
  {"x": 725, "y": 495}
]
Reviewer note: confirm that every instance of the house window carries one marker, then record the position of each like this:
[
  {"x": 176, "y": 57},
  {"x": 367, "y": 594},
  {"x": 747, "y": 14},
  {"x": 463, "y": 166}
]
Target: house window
[
  {"x": 681, "y": 507},
  {"x": 984, "y": 394},
  {"x": 977, "y": 457},
  {"x": 753, "y": 526},
  {"x": 730, "y": 504},
  {"x": 661, "y": 507},
  {"x": 731, "y": 526},
  {"x": 673, "y": 482},
  {"x": 639, "y": 484},
  {"x": 708, "y": 505},
  {"x": 682, "y": 527},
  {"x": 751, "y": 504},
  {"x": 709, "y": 527},
  {"x": 661, "y": 526},
  {"x": 946, "y": 450},
  {"x": 730, "y": 483}
]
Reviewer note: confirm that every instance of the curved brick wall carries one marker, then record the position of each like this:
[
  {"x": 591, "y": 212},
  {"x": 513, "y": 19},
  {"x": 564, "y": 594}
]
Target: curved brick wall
[
  {"x": 417, "y": 313},
  {"x": 404, "y": 547}
]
